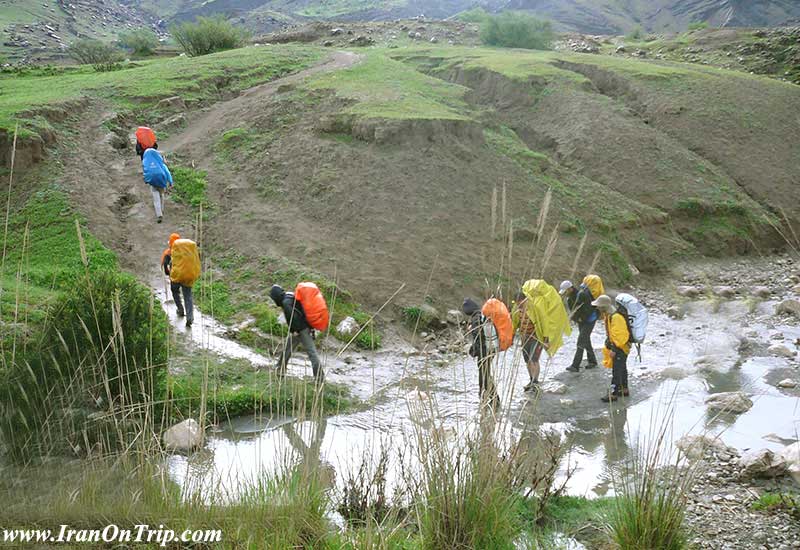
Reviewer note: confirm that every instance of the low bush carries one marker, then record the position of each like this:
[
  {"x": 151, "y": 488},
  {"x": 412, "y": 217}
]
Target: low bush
[
  {"x": 101, "y": 56},
  {"x": 517, "y": 30},
  {"x": 98, "y": 368},
  {"x": 208, "y": 35},
  {"x": 141, "y": 42},
  {"x": 698, "y": 25}
]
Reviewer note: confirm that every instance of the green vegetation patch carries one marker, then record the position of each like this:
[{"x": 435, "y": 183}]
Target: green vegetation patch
[
  {"x": 234, "y": 388},
  {"x": 143, "y": 83},
  {"x": 190, "y": 186},
  {"x": 338, "y": 8},
  {"x": 382, "y": 87}
]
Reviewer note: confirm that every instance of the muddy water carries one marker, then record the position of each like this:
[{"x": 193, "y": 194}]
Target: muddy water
[{"x": 683, "y": 363}]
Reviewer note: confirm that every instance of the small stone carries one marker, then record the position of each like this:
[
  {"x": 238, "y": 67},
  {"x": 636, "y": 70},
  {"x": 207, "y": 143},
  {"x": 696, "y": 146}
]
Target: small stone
[
  {"x": 761, "y": 292},
  {"x": 174, "y": 103},
  {"x": 779, "y": 350},
  {"x": 555, "y": 388},
  {"x": 348, "y": 327},
  {"x": 730, "y": 402},
  {"x": 689, "y": 291},
  {"x": 454, "y": 317},
  {"x": 787, "y": 383},
  {"x": 788, "y": 307},
  {"x": 724, "y": 291}
]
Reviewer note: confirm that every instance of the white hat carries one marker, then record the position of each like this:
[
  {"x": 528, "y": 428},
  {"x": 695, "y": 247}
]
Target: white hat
[{"x": 565, "y": 286}]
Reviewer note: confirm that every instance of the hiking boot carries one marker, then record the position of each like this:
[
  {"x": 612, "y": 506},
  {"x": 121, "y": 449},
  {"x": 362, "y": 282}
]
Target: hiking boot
[
  {"x": 626, "y": 392},
  {"x": 573, "y": 368},
  {"x": 610, "y": 397},
  {"x": 533, "y": 387},
  {"x": 188, "y": 323},
  {"x": 158, "y": 219},
  {"x": 591, "y": 366},
  {"x": 181, "y": 313}
]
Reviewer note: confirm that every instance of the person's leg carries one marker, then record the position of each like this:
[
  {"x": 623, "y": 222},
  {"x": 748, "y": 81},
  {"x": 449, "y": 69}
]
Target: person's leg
[
  {"x": 578, "y": 357},
  {"x": 188, "y": 302},
  {"x": 587, "y": 345},
  {"x": 617, "y": 373},
  {"x": 311, "y": 349},
  {"x": 624, "y": 375},
  {"x": 162, "y": 196},
  {"x": 286, "y": 354},
  {"x": 176, "y": 295},
  {"x": 483, "y": 375},
  {"x": 156, "y": 200}
]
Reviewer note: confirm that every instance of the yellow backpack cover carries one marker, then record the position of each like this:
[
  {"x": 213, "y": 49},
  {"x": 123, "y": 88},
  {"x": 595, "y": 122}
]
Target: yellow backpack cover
[
  {"x": 185, "y": 262},
  {"x": 595, "y": 284}
]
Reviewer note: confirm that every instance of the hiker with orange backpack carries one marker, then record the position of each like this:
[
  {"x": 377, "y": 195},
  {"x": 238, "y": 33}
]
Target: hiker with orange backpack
[
  {"x": 181, "y": 263},
  {"x": 305, "y": 310},
  {"x": 585, "y": 315},
  {"x": 145, "y": 139},
  {"x": 490, "y": 332}
]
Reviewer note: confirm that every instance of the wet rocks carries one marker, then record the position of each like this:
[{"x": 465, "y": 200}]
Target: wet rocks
[
  {"x": 788, "y": 307},
  {"x": 780, "y": 350},
  {"x": 762, "y": 292},
  {"x": 791, "y": 457},
  {"x": 694, "y": 447},
  {"x": 730, "y": 402},
  {"x": 184, "y": 436},
  {"x": 347, "y": 327},
  {"x": 787, "y": 383},
  {"x": 724, "y": 291},
  {"x": 762, "y": 463},
  {"x": 361, "y": 41},
  {"x": 676, "y": 312}
]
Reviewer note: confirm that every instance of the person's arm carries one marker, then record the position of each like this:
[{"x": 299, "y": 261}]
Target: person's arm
[
  {"x": 169, "y": 175},
  {"x": 166, "y": 263}
]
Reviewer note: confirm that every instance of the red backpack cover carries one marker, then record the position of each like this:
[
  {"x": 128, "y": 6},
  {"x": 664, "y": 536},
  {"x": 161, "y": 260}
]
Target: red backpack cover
[
  {"x": 314, "y": 305},
  {"x": 146, "y": 137}
]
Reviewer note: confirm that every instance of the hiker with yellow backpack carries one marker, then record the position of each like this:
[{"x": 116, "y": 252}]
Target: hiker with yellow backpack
[
  {"x": 541, "y": 320},
  {"x": 490, "y": 332},
  {"x": 579, "y": 304},
  {"x": 305, "y": 310},
  {"x": 181, "y": 263},
  {"x": 617, "y": 348}
]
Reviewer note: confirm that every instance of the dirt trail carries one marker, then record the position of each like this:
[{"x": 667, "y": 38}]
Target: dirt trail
[{"x": 107, "y": 185}]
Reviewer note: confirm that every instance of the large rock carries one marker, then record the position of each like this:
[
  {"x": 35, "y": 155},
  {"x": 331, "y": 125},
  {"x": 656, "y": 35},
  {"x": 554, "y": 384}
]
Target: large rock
[
  {"x": 779, "y": 350},
  {"x": 455, "y": 317},
  {"x": 761, "y": 464},
  {"x": 724, "y": 291},
  {"x": 791, "y": 457},
  {"x": 348, "y": 327},
  {"x": 788, "y": 307},
  {"x": 735, "y": 402},
  {"x": 761, "y": 292},
  {"x": 184, "y": 436},
  {"x": 689, "y": 291},
  {"x": 173, "y": 103},
  {"x": 695, "y": 446}
]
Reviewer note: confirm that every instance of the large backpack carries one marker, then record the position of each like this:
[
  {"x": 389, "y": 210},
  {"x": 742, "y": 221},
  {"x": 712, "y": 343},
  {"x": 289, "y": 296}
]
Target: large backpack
[
  {"x": 595, "y": 285},
  {"x": 185, "y": 262},
  {"x": 146, "y": 137},
  {"x": 497, "y": 312},
  {"x": 636, "y": 317},
  {"x": 314, "y": 305}
]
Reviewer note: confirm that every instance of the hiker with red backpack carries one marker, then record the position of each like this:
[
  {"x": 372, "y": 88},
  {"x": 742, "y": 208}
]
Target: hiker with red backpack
[
  {"x": 305, "y": 311},
  {"x": 145, "y": 139},
  {"x": 489, "y": 332}
]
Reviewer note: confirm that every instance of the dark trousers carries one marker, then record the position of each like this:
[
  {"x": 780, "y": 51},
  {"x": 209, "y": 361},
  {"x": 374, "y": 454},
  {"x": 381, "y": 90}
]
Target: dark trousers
[
  {"x": 177, "y": 288},
  {"x": 311, "y": 350},
  {"x": 585, "y": 344},
  {"x": 485, "y": 381},
  {"x": 619, "y": 372}
]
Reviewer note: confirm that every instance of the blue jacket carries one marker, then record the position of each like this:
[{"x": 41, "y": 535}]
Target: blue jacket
[{"x": 155, "y": 171}]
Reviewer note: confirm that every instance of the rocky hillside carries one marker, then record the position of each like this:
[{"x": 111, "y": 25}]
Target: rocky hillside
[{"x": 40, "y": 30}]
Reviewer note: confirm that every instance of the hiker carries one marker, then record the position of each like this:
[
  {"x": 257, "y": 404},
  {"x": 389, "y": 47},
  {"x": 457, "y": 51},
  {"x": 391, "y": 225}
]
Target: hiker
[
  {"x": 299, "y": 328},
  {"x": 542, "y": 321},
  {"x": 618, "y": 345},
  {"x": 484, "y": 347},
  {"x": 145, "y": 139},
  {"x": 579, "y": 306},
  {"x": 158, "y": 177},
  {"x": 181, "y": 263}
]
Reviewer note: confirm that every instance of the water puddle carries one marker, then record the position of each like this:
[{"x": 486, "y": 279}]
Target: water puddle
[{"x": 683, "y": 363}]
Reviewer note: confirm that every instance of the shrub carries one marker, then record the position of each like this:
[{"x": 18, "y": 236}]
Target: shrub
[
  {"x": 101, "y": 56},
  {"x": 100, "y": 364},
  {"x": 635, "y": 34},
  {"x": 190, "y": 186},
  {"x": 517, "y": 30},
  {"x": 208, "y": 35},
  {"x": 475, "y": 15},
  {"x": 141, "y": 42},
  {"x": 698, "y": 25}
]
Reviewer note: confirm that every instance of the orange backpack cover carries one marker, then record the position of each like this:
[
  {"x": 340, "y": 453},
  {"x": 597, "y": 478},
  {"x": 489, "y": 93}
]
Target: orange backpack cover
[
  {"x": 146, "y": 137},
  {"x": 497, "y": 311},
  {"x": 314, "y": 305}
]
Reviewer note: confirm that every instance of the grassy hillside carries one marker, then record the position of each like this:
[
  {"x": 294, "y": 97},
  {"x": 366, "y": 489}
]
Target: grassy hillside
[{"x": 407, "y": 155}]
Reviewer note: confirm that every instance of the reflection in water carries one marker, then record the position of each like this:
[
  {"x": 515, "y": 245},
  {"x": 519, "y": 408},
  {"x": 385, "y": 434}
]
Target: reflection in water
[{"x": 309, "y": 460}]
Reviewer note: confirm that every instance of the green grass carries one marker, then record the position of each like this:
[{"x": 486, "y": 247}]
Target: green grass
[
  {"x": 774, "y": 502},
  {"x": 144, "y": 83},
  {"x": 381, "y": 87},
  {"x": 235, "y": 388},
  {"x": 338, "y": 8},
  {"x": 190, "y": 186}
]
